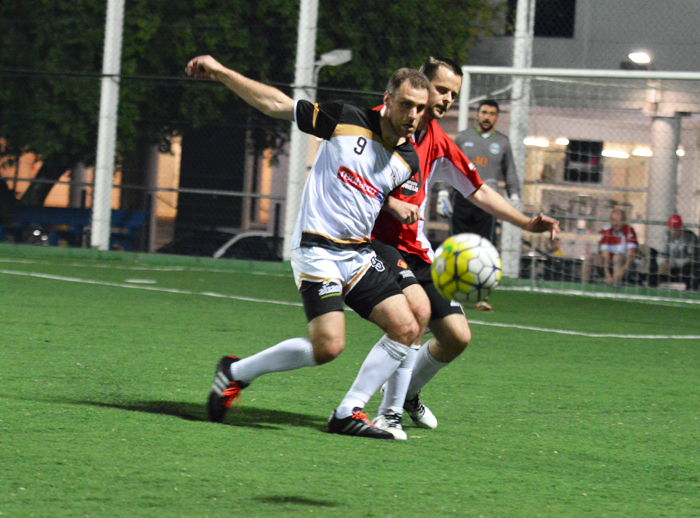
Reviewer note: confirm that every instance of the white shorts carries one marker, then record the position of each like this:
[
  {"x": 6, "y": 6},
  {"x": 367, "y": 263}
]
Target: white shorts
[
  {"x": 326, "y": 280},
  {"x": 318, "y": 264}
]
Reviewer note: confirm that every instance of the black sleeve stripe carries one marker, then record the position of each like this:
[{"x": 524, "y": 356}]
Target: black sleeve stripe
[{"x": 319, "y": 120}]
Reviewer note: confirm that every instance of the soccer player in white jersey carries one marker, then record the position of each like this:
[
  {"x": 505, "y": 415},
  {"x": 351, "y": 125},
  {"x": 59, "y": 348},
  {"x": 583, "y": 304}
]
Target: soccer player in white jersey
[
  {"x": 405, "y": 248},
  {"x": 364, "y": 156}
]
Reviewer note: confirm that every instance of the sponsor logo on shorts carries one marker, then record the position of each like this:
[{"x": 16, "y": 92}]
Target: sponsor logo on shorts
[
  {"x": 330, "y": 289},
  {"x": 355, "y": 180},
  {"x": 402, "y": 264},
  {"x": 378, "y": 265}
]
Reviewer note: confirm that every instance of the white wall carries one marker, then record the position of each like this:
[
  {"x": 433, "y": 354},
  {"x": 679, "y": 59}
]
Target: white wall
[{"x": 607, "y": 31}]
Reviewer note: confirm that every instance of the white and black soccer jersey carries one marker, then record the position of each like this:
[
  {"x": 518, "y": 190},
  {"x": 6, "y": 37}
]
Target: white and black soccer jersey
[{"x": 351, "y": 177}]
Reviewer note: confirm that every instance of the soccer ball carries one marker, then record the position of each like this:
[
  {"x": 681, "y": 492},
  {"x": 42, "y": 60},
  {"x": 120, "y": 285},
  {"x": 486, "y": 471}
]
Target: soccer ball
[{"x": 466, "y": 266}]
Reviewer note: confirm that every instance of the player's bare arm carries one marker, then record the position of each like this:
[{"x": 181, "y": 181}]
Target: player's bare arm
[
  {"x": 406, "y": 213},
  {"x": 268, "y": 99},
  {"x": 492, "y": 202}
]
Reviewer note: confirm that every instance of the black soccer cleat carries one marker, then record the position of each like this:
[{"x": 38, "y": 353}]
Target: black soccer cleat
[
  {"x": 358, "y": 425},
  {"x": 224, "y": 391}
]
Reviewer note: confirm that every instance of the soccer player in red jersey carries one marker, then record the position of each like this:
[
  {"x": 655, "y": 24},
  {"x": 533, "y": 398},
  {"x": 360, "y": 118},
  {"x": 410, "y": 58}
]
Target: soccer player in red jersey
[{"x": 406, "y": 248}]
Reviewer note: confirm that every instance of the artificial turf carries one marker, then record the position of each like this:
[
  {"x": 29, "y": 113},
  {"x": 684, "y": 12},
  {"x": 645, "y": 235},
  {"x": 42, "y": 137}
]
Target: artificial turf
[{"x": 103, "y": 382}]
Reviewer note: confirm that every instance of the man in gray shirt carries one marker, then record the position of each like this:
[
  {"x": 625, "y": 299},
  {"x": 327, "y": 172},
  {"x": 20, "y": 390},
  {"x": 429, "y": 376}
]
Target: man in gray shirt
[
  {"x": 489, "y": 150},
  {"x": 680, "y": 258}
]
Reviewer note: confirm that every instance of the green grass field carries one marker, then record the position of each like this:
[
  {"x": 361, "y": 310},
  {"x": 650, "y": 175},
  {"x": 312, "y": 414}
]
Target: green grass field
[{"x": 103, "y": 382}]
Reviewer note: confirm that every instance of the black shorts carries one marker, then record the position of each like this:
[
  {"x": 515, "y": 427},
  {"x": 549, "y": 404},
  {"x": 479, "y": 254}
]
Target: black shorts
[
  {"x": 376, "y": 285},
  {"x": 411, "y": 269}
]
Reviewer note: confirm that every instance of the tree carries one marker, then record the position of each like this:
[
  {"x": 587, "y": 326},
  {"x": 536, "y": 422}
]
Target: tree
[
  {"x": 51, "y": 58},
  {"x": 385, "y": 36},
  {"x": 46, "y": 105}
]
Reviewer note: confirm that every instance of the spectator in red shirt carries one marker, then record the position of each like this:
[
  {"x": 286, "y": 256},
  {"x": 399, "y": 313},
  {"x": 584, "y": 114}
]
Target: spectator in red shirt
[
  {"x": 617, "y": 252},
  {"x": 679, "y": 260}
]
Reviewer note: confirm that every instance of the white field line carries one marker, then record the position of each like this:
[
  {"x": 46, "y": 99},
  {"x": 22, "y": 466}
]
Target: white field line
[
  {"x": 298, "y": 304},
  {"x": 590, "y": 335},
  {"x": 143, "y": 287},
  {"x": 618, "y": 296},
  {"x": 578, "y": 293},
  {"x": 146, "y": 268}
]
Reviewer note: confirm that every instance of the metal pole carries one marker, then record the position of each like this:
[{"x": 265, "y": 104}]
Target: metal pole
[
  {"x": 663, "y": 187},
  {"x": 107, "y": 129},
  {"x": 511, "y": 236},
  {"x": 463, "y": 106},
  {"x": 299, "y": 141}
]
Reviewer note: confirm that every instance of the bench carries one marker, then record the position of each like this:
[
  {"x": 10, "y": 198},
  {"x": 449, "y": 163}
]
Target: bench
[{"x": 72, "y": 225}]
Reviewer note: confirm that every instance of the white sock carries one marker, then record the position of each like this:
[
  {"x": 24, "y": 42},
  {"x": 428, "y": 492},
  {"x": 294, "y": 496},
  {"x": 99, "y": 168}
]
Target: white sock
[
  {"x": 381, "y": 362},
  {"x": 396, "y": 386},
  {"x": 285, "y": 356},
  {"x": 425, "y": 368}
]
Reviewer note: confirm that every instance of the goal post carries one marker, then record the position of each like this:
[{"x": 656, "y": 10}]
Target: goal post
[{"x": 595, "y": 141}]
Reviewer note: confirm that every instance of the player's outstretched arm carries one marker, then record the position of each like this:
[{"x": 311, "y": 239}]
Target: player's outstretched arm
[
  {"x": 268, "y": 99},
  {"x": 489, "y": 200}
]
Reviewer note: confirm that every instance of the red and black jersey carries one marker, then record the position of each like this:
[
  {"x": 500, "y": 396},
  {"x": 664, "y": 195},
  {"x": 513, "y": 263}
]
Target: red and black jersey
[{"x": 440, "y": 160}]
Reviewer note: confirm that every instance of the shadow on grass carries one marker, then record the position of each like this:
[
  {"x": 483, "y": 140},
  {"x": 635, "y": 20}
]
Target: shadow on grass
[
  {"x": 249, "y": 417},
  {"x": 280, "y": 499}
]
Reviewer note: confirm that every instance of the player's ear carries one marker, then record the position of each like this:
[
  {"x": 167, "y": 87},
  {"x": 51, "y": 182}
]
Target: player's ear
[{"x": 387, "y": 98}]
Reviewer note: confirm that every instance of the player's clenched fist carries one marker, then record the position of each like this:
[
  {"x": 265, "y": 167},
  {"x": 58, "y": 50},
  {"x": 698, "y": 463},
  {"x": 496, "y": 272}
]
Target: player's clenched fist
[{"x": 203, "y": 67}]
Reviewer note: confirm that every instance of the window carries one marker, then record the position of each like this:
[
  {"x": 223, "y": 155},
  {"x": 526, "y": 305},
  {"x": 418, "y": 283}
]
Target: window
[
  {"x": 553, "y": 18},
  {"x": 583, "y": 162}
]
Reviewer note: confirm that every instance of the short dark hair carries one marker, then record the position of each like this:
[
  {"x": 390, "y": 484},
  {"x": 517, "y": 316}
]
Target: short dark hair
[
  {"x": 431, "y": 66},
  {"x": 489, "y": 102},
  {"x": 620, "y": 212},
  {"x": 416, "y": 78}
]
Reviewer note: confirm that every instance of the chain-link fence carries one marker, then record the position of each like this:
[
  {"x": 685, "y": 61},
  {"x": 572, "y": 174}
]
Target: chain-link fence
[
  {"x": 201, "y": 173},
  {"x": 208, "y": 182},
  {"x": 598, "y": 145},
  {"x": 197, "y": 165}
]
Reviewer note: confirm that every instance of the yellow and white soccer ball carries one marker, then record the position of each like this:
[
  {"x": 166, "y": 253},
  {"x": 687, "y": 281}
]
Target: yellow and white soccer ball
[{"x": 466, "y": 267}]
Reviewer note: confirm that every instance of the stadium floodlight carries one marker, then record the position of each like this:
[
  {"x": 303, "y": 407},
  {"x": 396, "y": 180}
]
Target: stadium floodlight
[
  {"x": 680, "y": 152},
  {"x": 640, "y": 58},
  {"x": 562, "y": 141}
]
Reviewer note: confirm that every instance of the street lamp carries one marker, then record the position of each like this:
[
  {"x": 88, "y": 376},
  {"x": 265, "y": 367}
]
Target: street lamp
[
  {"x": 299, "y": 141},
  {"x": 332, "y": 59}
]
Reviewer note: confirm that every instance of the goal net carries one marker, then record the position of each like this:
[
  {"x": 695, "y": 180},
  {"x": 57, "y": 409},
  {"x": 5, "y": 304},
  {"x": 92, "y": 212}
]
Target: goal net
[{"x": 587, "y": 144}]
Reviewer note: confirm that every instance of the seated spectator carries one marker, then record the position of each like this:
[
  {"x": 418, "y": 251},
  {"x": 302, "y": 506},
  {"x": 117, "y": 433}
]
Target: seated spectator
[
  {"x": 556, "y": 248},
  {"x": 679, "y": 261},
  {"x": 617, "y": 253}
]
